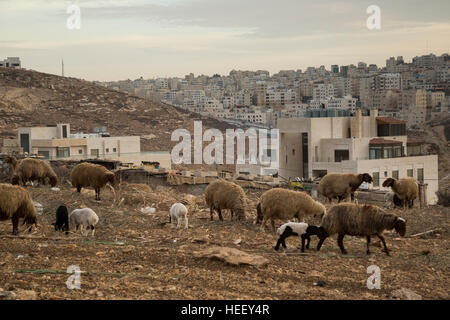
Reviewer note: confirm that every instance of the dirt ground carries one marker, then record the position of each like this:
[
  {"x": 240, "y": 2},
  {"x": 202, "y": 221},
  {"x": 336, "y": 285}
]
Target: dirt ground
[{"x": 139, "y": 256}]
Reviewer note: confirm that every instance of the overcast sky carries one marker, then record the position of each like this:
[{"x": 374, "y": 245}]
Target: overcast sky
[{"x": 151, "y": 38}]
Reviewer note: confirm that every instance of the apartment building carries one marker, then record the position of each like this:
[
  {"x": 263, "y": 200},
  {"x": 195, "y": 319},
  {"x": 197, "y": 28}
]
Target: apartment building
[
  {"x": 56, "y": 142},
  {"x": 313, "y": 147}
]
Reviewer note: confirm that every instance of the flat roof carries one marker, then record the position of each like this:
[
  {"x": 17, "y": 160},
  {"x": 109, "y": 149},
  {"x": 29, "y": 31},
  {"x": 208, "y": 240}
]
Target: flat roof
[{"x": 389, "y": 120}]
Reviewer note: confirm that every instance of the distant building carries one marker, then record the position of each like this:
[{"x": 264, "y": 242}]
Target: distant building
[
  {"x": 11, "y": 62},
  {"x": 56, "y": 142}
]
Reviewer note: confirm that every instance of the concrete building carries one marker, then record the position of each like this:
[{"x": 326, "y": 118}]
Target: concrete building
[
  {"x": 56, "y": 142},
  {"x": 313, "y": 147},
  {"x": 11, "y": 62}
]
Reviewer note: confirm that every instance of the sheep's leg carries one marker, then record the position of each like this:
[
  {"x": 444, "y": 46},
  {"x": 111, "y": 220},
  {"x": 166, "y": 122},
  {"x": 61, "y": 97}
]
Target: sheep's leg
[
  {"x": 98, "y": 194},
  {"x": 272, "y": 222},
  {"x": 308, "y": 238},
  {"x": 263, "y": 223},
  {"x": 79, "y": 189},
  {"x": 281, "y": 240},
  {"x": 220, "y": 214},
  {"x": 178, "y": 222},
  {"x": 319, "y": 245},
  {"x": 211, "y": 211},
  {"x": 384, "y": 244},
  {"x": 186, "y": 223},
  {"x": 340, "y": 241},
  {"x": 15, "y": 223},
  {"x": 368, "y": 244},
  {"x": 352, "y": 197}
]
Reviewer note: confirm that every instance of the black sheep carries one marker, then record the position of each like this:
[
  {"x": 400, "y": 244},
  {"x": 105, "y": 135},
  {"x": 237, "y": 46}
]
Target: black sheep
[{"x": 62, "y": 219}]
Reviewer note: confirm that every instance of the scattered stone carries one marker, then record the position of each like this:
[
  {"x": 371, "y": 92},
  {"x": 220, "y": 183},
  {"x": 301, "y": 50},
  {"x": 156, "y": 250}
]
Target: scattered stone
[
  {"x": 405, "y": 294},
  {"x": 319, "y": 283},
  {"x": 232, "y": 256},
  {"x": 7, "y": 295}
]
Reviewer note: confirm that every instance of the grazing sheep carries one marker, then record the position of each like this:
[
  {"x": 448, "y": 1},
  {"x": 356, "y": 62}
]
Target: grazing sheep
[
  {"x": 62, "y": 219},
  {"x": 220, "y": 195},
  {"x": 392, "y": 200},
  {"x": 341, "y": 185},
  {"x": 287, "y": 204},
  {"x": 84, "y": 218},
  {"x": 300, "y": 229},
  {"x": 16, "y": 203},
  {"x": 359, "y": 220},
  {"x": 91, "y": 175},
  {"x": 406, "y": 189},
  {"x": 178, "y": 211},
  {"x": 31, "y": 169}
]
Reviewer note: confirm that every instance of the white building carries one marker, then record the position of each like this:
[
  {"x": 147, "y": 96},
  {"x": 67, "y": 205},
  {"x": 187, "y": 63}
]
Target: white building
[
  {"x": 11, "y": 62},
  {"x": 313, "y": 147}
]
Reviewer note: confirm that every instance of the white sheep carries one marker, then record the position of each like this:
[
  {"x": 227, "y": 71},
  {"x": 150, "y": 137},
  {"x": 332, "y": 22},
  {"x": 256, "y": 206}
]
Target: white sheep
[
  {"x": 178, "y": 211},
  {"x": 86, "y": 218}
]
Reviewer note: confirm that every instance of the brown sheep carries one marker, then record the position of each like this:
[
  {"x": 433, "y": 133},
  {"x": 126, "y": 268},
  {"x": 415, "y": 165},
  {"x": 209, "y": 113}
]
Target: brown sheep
[
  {"x": 16, "y": 203},
  {"x": 341, "y": 185},
  {"x": 406, "y": 189},
  {"x": 91, "y": 175},
  {"x": 358, "y": 220},
  {"x": 284, "y": 204},
  {"x": 222, "y": 194},
  {"x": 31, "y": 169}
]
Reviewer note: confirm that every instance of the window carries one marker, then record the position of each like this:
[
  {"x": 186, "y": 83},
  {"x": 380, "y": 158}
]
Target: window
[
  {"x": 80, "y": 151},
  {"x": 420, "y": 175},
  {"x": 395, "y": 174},
  {"x": 376, "y": 179},
  {"x": 64, "y": 131},
  {"x": 410, "y": 173},
  {"x": 114, "y": 149},
  {"x": 107, "y": 150},
  {"x": 94, "y": 153},
  {"x": 385, "y": 174},
  {"x": 340, "y": 155},
  {"x": 62, "y": 152},
  {"x": 293, "y": 152}
]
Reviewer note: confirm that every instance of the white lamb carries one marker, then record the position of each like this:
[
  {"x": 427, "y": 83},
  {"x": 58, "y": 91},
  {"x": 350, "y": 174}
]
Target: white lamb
[
  {"x": 178, "y": 211},
  {"x": 86, "y": 218}
]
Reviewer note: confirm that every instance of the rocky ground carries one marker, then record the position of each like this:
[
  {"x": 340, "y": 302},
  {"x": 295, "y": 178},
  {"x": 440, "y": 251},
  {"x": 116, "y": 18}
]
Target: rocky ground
[{"x": 139, "y": 256}]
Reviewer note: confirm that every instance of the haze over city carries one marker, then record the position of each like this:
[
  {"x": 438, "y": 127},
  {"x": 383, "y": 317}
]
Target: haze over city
[{"x": 130, "y": 39}]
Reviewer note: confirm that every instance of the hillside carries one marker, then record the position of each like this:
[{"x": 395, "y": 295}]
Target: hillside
[{"x": 30, "y": 98}]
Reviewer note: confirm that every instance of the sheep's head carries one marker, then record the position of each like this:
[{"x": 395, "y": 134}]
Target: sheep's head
[
  {"x": 367, "y": 178},
  {"x": 400, "y": 226},
  {"x": 15, "y": 179},
  {"x": 320, "y": 210},
  {"x": 318, "y": 231},
  {"x": 29, "y": 221},
  {"x": 53, "y": 180},
  {"x": 111, "y": 178},
  {"x": 389, "y": 182}
]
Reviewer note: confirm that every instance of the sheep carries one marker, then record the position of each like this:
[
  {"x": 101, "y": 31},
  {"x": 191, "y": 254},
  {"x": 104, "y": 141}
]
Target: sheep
[
  {"x": 359, "y": 220},
  {"x": 31, "y": 169},
  {"x": 341, "y": 185},
  {"x": 287, "y": 204},
  {"x": 91, "y": 175},
  {"x": 221, "y": 194},
  {"x": 178, "y": 211},
  {"x": 406, "y": 189},
  {"x": 84, "y": 218},
  {"x": 16, "y": 203},
  {"x": 300, "y": 229},
  {"x": 392, "y": 200},
  {"x": 62, "y": 219}
]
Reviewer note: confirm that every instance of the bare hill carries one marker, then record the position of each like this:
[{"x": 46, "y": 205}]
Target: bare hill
[{"x": 30, "y": 98}]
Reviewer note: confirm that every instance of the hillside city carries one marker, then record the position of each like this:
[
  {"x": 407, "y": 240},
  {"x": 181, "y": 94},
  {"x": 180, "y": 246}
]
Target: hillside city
[{"x": 415, "y": 91}]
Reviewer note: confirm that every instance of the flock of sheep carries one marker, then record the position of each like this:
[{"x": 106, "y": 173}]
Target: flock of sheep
[{"x": 346, "y": 218}]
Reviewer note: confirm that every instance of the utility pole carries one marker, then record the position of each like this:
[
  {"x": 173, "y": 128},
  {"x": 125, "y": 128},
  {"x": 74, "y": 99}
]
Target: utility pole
[{"x": 62, "y": 67}]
